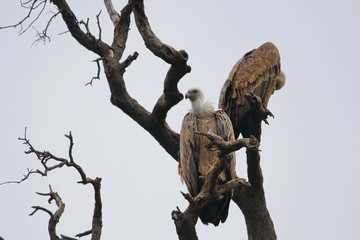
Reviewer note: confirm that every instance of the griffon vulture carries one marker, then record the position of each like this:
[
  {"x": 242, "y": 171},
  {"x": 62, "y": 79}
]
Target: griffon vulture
[
  {"x": 195, "y": 159},
  {"x": 258, "y": 72}
]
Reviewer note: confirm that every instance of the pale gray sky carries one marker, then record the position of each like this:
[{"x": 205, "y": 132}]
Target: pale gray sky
[{"x": 309, "y": 151}]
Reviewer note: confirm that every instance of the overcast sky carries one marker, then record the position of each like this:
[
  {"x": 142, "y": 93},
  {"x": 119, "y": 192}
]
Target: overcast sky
[{"x": 309, "y": 152}]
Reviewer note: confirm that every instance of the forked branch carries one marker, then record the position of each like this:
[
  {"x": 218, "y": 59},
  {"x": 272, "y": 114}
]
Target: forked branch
[
  {"x": 32, "y": 6},
  {"x": 85, "y": 39},
  {"x": 153, "y": 122},
  {"x": 177, "y": 59},
  {"x": 51, "y": 162},
  {"x": 225, "y": 147},
  {"x": 54, "y": 217}
]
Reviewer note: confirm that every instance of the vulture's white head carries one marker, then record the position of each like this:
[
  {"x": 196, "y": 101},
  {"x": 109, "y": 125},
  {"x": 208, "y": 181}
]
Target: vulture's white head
[{"x": 204, "y": 110}]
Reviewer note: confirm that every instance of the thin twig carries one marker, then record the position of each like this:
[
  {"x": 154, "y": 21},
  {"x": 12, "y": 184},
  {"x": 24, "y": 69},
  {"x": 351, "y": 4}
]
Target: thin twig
[
  {"x": 98, "y": 23},
  {"x": 98, "y": 71},
  {"x": 36, "y": 208},
  {"x": 71, "y": 146},
  {"x": 31, "y": 8},
  {"x": 86, "y": 24},
  {"x": 25, "y": 177},
  {"x": 43, "y": 36},
  {"x": 83, "y": 234}
]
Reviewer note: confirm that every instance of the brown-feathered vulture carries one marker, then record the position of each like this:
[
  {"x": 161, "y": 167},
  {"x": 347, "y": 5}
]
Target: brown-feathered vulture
[
  {"x": 258, "y": 72},
  {"x": 196, "y": 159}
]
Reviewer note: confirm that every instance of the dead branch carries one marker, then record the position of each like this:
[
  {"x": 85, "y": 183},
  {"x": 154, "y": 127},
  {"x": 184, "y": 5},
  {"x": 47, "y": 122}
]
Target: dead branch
[
  {"x": 226, "y": 147},
  {"x": 97, "y": 215},
  {"x": 129, "y": 60},
  {"x": 251, "y": 199},
  {"x": 86, "y": 25},
  {"x": 25, "y": 177},
  {"x": 54, "y": 217},
  {"x": 114, "y": 15},
  {"x": 98, "y": 71},
  {"x": 252, "y": 203},
  {"x": 177, "y": 59},
  {"x": 35, "y": 8},
  {"x": 237, "y": 183},
  {"x": 36, "y": 208},
  {"x": 85, "y": 39},
  {"x": 185, "y": 224},
  {"x": 154, "y": 122},
  {"x": 43, "y": 35},
  {"x": 122, "y": 27},
  {"x": 32, "y": 5},
  {"x": 64, "y": 237},
  {"x": 171, "y": 95},
  {"x": 98, "y": 24},
  {"x": 71, "y": 145},
  {"x": 152, "y": 42},
  {"x": 83, "y": 234},
  {"x": 46, "y": 158}
]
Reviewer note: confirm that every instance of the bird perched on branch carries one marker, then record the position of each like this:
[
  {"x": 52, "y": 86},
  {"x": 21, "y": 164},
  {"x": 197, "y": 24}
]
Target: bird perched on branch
[
  {"x": 195, "y": 159},
  {"x": 257, "y": 72}
]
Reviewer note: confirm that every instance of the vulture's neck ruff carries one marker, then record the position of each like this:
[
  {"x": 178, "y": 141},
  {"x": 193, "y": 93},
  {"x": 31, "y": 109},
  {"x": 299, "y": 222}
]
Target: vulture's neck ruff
[{"x": 203, "y": 110}]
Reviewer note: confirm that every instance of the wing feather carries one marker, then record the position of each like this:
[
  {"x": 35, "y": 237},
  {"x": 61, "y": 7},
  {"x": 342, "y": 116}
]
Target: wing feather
[
  {"x": 190, "y": 148},
  {"x": 195, "y": 160},
  {"x": 188, "y": 154},
  {"x": 225, "y": 130},
  {"x": 256, "y": 72}
]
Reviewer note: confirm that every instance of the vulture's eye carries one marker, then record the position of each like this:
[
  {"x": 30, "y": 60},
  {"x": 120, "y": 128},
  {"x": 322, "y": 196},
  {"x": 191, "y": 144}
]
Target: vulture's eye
[{"x": 195, "y": 91}]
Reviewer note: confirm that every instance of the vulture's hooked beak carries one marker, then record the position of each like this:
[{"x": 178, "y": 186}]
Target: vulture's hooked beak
[{"x": 187, "y": 95}]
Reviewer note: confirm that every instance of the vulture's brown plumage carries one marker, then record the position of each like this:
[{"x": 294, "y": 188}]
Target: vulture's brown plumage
[
  {"x": 258, "y": 72},
  {"x": 196, "y": 159}
]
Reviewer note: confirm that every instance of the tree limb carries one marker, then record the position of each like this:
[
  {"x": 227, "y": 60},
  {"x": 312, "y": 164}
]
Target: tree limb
[
  {"x": 239, "y": 183},
  {"x": 54, "y": 217},
  {"x": 171, "y": 95},
  {"x": 252, "y": 203},
  {"x": 177, "y": 59},
  {"x": 32, "y": 5},
  {"x": 114, "y": 15},
  {"x": 85, "y": 39},
  {"x": 83, "y": 234},
  {"x": 153, "y": 122},
  {"x": 185, "y": 224},
  {"x": 122, "y": 27},
  {"x": 25, "y": 176},
  {"x": 226, "y": 147},
  {"x": 45, "y": 157},
  {"x": 152, "y": 42}
]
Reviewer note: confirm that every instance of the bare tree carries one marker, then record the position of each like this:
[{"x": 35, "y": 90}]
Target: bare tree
[
  {"x": 248, "y": 195},
  {"x": 50, "y": 162}
]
